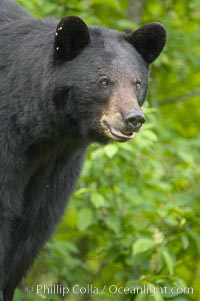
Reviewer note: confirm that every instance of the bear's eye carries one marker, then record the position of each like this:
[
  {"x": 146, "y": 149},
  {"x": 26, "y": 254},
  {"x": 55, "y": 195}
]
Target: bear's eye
[
  {"x": 104, "y": 82},
  {"x": 137, "y": 85}
]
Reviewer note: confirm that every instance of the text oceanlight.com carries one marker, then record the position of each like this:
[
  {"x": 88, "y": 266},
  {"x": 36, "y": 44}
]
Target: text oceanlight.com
[{"x": 58, "y": 289}]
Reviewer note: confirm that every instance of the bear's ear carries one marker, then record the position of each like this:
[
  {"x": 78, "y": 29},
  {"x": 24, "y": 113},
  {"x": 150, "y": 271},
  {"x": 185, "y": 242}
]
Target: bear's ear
[
  {"x": 71, "y": 36},
  {"x": 149, "y": 40}
]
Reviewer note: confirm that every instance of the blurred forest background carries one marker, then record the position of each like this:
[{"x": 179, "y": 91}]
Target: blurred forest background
[{"x": 134, "y": 218}]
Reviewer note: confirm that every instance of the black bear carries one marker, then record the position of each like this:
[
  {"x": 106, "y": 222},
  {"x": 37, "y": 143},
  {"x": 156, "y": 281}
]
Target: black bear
[{"x": 63, "y": 85}]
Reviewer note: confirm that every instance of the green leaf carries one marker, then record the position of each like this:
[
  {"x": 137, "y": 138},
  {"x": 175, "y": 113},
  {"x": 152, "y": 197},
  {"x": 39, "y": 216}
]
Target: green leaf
[
  {"x": 81, "y": 191},
  {"x": 85, "y": 219},
  {"x": 169, "y": 261},
  {"x": 97, "y": 154},
  {"x": 149, "y": 135},
  {"x": 98, "y": 200},
  {"x": 142, "y": 245},
  {"x": 111, "y": 150},
  {"x": 154, "y": 292},
  {"x": 114, "y": 223},
  {"x": 112, "y": 3},
  {"x": 185, "y": 241},
  {"x": 195, "y": 237}
]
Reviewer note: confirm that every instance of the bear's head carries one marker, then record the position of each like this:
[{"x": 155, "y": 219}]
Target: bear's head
[{"x": 103, "y": 78}]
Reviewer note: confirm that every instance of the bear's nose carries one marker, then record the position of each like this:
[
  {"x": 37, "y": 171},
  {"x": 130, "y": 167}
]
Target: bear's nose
[{"x": 134, "y": 120}]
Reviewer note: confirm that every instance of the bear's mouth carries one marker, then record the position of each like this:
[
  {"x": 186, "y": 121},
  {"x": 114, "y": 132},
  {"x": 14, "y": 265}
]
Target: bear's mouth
[{"x": 121, "y": 134}]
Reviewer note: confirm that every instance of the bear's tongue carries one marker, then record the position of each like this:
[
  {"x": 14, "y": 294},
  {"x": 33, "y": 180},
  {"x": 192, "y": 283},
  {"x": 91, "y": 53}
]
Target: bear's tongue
[{"x": 127, "y": 135}]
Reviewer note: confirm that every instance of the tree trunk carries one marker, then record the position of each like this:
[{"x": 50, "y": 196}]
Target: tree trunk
[{"x": 135, "y": 10}]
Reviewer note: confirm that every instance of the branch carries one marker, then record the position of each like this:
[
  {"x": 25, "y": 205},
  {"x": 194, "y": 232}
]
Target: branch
[{"x": 194, "y": 92}]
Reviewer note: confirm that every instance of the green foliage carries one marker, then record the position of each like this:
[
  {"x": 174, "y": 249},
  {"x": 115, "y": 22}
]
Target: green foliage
[{"x": 134, "y": 219}]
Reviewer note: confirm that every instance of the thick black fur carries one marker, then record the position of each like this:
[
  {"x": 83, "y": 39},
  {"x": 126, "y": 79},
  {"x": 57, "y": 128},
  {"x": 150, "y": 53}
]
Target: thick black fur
[{"x": 50, "y": 106}]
